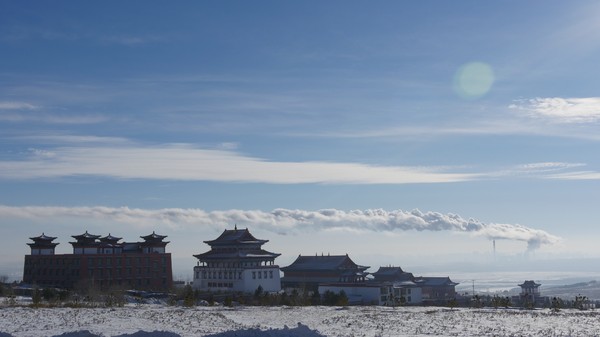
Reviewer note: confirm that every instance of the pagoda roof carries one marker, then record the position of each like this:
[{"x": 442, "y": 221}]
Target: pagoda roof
[
  {"x": 529, "y": 284},
  {"x": 392, "y": 274},
  {"x": 212, "y": 255},
  {"x": 43, "y": 237},
  {"x": 322, "y": 263},
  {"x": 235, "y": 236},
  {"x": 85, "y": 235},
  {"x": 435, "y": 281},
  {"x": 110, "y": 238},
  {"x": 388, "y": 271},
  {"x": 153, "y": 237}
]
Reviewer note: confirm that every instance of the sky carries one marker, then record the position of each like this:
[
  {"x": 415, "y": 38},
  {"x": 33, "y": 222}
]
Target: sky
[{"x": 414, "y": 134}]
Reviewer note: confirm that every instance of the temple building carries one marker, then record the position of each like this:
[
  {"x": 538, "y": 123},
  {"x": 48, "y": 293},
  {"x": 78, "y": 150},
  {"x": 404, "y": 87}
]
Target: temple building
[
  {"x": 237, "y": 262},
  {"x": 307, "y": 272},
  {"x": 102, "y": 262},
  {"x": 530, "y": 291}
]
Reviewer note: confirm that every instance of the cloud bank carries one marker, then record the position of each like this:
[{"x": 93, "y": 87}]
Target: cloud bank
[{"x": 285, "y": 221}]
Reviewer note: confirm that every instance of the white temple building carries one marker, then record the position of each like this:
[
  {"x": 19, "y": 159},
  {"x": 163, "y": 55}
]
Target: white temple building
[{"x": 237, "y": 262}]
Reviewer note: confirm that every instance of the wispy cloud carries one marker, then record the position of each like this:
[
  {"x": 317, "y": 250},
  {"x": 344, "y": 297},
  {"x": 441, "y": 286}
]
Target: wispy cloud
[
  {"x": 561, "y": 110},
  {"x": 120, "y": 158},
  {"x": 17, "y": 106},
  {"x": 185, "y": 162},
  {"x": 287, "y": 221}
]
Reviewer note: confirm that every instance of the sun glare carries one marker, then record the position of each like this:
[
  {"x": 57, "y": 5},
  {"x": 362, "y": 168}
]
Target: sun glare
[{"x": 473, "y": 80}]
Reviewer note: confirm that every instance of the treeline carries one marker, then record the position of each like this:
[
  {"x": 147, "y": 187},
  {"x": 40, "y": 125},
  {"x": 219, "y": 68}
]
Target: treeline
[{"x": 187, "y": 296}]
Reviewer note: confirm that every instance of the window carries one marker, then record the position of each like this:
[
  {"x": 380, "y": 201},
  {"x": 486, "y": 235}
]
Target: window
[
  {"x": 253, "y": 275},
  {"x": 270, "y": 274}
]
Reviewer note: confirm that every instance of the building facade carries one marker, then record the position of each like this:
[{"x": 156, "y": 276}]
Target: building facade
[
  {"x": 102, "y": 262},
  {"x": 237, "y": 262},
  {"x": 307, "y": 272}
]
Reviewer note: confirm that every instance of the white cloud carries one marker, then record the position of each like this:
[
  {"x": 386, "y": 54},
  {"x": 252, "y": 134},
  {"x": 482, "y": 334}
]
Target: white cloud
[
  {"x": 577, "y": 175},
  {"x": 184, "y": 162},
  {"x": 17, "y": 106},
  {"x": 561, "y": 110},
  {"x": 287, "y": 221}
]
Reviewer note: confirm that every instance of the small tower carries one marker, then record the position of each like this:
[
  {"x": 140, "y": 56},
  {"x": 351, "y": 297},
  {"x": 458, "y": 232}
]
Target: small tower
[
  {"x": 153, "y": 243},
  {"x": 42, "y": 245},
  {"x": 530, "y": 291},
  {"x": 85, "y": 243}
]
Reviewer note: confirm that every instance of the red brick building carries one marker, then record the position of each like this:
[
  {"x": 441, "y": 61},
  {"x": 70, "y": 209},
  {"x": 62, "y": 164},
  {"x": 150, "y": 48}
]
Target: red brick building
[{"x": 100, "y": 261}]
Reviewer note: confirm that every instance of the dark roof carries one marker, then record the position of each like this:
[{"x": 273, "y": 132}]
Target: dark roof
[
  {"x": 43, "y": 241},
  {"x": 261, "y": 253},
  {"x": 434, "y": 281},
  {"x": 391, "y": 271},
  {"x": 85, "y": 235},
  {"x": 323, "y": 262},
  {"x": 235, "y": 236},
  {"x": 393, "y": 274},
  {"x": 529, "y": 284},
  {"x": 110, "y": 238},
  {"x": 153, "y": 237},
  {"x": 43, "y": 237}
]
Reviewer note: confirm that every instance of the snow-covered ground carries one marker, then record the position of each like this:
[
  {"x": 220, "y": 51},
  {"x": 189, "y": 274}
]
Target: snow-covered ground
[{"x": 165, "y": 321}]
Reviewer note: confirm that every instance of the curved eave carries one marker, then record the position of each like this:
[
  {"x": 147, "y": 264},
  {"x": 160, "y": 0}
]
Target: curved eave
[
  {"x": 217, "y": 256},
  {"x": 43, "y": 245},
  {"x": 218, "y": 242}
]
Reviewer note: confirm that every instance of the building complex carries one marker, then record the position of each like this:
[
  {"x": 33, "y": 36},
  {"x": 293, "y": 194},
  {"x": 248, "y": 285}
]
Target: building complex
[
  {"x": 102, "y": 262},
  {"x": 236, "y": 262}
]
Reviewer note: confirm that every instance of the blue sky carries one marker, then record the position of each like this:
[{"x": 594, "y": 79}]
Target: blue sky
[{"x": 402, "y": 133}]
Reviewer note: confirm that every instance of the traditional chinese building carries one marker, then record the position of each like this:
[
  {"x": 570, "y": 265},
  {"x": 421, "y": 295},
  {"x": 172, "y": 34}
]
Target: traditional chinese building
[
  {"x": 435, "y": 289},
  {"x": 236, "y": 261},
  {"x": 406, "y": 288},
  {"x": 530, "y": 291},
  {"x": 308, "y": 272},
  {"x": 102, "y": 262}
]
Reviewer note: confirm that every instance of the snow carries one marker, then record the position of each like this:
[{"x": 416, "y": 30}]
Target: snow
[{"x": 166, "y": 321}]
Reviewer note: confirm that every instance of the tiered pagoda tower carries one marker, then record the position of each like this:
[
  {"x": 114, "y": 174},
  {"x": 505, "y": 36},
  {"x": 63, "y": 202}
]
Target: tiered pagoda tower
[
  {"x": 237, "y": 262},
  {"x": 42, "y": 245}
]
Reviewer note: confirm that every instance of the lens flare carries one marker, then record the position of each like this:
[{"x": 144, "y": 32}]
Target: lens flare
[{"x": 473, "y": 80}]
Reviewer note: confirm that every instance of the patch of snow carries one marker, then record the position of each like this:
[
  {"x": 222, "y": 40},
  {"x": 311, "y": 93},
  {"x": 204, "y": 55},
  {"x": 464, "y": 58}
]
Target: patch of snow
[{"x": 370, "y": 321}]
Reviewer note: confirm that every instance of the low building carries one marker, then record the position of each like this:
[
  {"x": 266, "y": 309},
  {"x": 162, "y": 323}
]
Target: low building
[
  {"x": 408, "y": 289},
  {"x": 436, "y": 289},
  {"x": 101, "y": 262},
  {"x": 308, "y": 272},
  {"x": 237, "y": 262},
  {"x": 364, "y": 293}
]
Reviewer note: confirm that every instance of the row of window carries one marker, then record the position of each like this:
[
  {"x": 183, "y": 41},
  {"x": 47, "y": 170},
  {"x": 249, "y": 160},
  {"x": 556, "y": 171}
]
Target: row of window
[
  {"x": 231, "y": 275},
  {"x": 238, "y": 264},
  {"x": 259, "y": 273},
  {"x": 220, "y": 285},
  {"x": 102, "y": 283},
  {"x": 100, "y": 261},
  {"x": 91, "y": 272}
]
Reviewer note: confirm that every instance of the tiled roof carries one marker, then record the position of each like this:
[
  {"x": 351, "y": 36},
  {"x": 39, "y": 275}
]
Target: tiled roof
[
  {"x": 323, "y": 262},
  {"x": 529, "y": 284},
  {"x": 434, "y": 281},
  {"x": 85, "y": 235},
  {"x": 232, "y": 236},
  {"x": 153, "y": 236},
  {"x": 43, "y": 237},
  {"x": 210, "y": 255}
]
